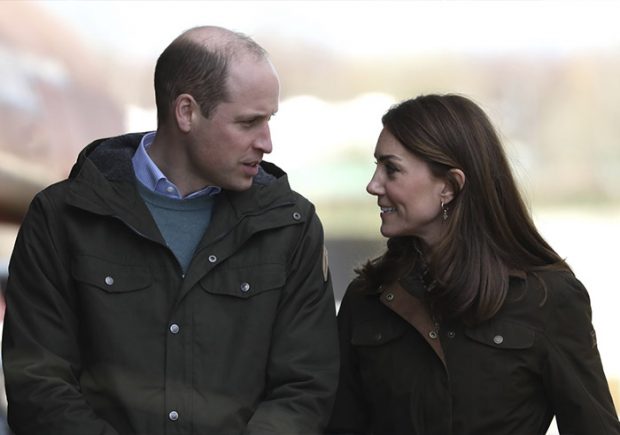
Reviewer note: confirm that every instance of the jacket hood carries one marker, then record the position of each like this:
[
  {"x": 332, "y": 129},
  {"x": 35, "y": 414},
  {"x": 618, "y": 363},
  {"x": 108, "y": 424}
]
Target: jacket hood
[
  {"x": 103, "y": 181},
  {"x": 112, "y": 157}
]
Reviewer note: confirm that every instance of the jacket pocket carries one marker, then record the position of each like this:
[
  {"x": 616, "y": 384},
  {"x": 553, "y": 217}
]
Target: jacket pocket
[
  {"x": 374, "y": 333},
  {"x": 110, "y": 277},
  {"x": 503, "y": 335},
  {"x": 245, "y": 282}
]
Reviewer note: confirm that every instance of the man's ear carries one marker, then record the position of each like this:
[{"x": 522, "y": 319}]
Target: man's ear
[
  {"x": 455, "y": 176},
  {"x": 184, "y": 111}
]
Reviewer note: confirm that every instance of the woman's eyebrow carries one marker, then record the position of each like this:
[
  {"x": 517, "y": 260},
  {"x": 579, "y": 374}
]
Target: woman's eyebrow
[{"x": 387, "y": 157}]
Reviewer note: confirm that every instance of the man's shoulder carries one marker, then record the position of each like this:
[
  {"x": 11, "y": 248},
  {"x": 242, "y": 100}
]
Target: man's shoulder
[
  {"x": 276, "y": 182},
  {"x": 301, "y": 199},
  {"x": 55, "y": 190}
]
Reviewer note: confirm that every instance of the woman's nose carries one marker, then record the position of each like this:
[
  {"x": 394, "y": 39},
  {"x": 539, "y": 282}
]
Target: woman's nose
[{"x": 374, "y": 187}]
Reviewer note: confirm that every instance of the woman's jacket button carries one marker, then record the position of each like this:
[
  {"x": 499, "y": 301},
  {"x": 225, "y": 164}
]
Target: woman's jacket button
[
  {"x": 212, "y": 258},
  {"x": 109, "y": 280},
  {"x": 498, "y": 339},
  {"x": 451, "y": 334},
  {"x": 245, "y": 287},
  {"x": 296, "y": 215},
  {"x": 389, "y": 297}
]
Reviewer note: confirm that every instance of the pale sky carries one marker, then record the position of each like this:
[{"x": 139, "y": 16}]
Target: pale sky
[{"x": 359, "y": 28}]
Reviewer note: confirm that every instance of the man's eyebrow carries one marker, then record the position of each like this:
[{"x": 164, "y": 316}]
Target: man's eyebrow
[{"x": 255, "y": 115}]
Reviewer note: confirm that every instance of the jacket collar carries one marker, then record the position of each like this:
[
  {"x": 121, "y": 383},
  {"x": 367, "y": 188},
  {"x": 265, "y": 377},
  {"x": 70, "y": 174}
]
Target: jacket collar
[{"x": 102, "y": 181}]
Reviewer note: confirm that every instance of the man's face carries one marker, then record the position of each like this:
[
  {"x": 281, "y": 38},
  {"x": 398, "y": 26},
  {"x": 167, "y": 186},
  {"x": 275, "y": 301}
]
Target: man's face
[{"x": 225, "y": 149}]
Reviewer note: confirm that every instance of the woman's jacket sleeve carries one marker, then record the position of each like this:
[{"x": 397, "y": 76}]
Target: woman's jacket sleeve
[
  {"x": 350, "y": 414},
  {"x": 573, "y": 374}
]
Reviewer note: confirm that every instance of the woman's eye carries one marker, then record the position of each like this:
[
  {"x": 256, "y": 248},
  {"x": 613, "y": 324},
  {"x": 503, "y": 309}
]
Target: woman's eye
[{"x": 390, "y": 170}]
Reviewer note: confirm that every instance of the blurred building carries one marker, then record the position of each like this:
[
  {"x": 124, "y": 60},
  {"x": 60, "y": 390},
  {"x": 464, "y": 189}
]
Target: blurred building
[{"x": 52, "y": 103}]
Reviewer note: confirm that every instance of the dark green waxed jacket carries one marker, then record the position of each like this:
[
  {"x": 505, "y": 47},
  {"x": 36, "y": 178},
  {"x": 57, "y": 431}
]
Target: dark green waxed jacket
[
  {"x": 508, "y": 376},
  {"x": 104, "y": 335}
]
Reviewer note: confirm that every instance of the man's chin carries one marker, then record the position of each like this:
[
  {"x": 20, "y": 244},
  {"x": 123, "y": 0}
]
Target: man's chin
[{"x": 240, "y": 186}]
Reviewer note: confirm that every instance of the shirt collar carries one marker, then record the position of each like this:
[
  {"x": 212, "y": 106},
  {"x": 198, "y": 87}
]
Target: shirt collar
[{"x": 154, "y": 179}]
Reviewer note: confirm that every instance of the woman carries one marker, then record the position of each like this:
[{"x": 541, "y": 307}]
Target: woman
[{"x": 469, "y": 323}]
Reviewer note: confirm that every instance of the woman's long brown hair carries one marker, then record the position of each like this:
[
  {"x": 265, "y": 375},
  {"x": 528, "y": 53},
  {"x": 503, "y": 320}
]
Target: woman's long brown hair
[{"x": 489, "y": 232}]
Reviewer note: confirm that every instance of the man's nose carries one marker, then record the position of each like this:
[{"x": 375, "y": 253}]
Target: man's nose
[{"x": 263, "y": 140}]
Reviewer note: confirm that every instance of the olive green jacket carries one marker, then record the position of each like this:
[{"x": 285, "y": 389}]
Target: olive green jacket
[
  {"x": 104, "y": 335},
  {"x": 537, "y": 358}
]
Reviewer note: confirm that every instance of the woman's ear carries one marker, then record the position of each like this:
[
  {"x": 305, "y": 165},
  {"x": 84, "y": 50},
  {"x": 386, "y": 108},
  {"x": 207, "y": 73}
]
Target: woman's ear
[
  {"x": 459, "y": 176},
  {"x": 184, "y": 107},
  {"x": 454, "y": 184}
]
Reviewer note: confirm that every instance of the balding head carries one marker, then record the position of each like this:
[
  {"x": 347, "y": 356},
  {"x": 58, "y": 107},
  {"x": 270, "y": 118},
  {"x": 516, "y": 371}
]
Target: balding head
[
  {"x": 224, "y": 40},
  {"x": 197, "y": 63}
]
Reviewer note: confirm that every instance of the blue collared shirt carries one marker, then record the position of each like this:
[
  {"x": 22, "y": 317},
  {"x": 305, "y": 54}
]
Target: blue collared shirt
[{"x": 154, "y": 179}]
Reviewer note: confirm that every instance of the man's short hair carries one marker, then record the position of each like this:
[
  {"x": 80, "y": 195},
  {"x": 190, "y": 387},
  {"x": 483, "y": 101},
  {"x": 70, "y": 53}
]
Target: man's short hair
[{"x": 193, "y": 67}]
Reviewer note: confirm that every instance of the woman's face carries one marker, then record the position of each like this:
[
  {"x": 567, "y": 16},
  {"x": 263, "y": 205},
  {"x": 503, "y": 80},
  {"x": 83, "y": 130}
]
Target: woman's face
[{"x": 407, "y": 193}]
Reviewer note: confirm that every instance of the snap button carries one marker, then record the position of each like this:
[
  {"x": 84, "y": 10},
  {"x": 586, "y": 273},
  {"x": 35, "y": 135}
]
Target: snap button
[
  {"x": 432, "y": 334},
  {"x": 378, "y": 336},
  {"x": 451, "y": 334},
  {"x": 296, "y": 215},
  {"x": 212, "y": 258},
  {"x": 498, "y": 339},
  {"x": 109, "y": 280},
  {"x": 174, "y": 328},
  {"x": 173, "y": 415},
  {"x": 169, "y": 189},
  {"x": 389, "y": 297},
  {"x": 245, "y": 287}
]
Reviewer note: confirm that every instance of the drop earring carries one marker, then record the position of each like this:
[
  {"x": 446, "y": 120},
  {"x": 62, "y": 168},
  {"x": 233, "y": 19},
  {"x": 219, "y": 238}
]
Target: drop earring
[{"x": 444, "y": 211}]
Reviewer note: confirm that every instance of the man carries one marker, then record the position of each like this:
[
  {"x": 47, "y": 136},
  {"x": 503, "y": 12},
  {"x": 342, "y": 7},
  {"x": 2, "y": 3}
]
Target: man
[{"x": 174, "y": 284}]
